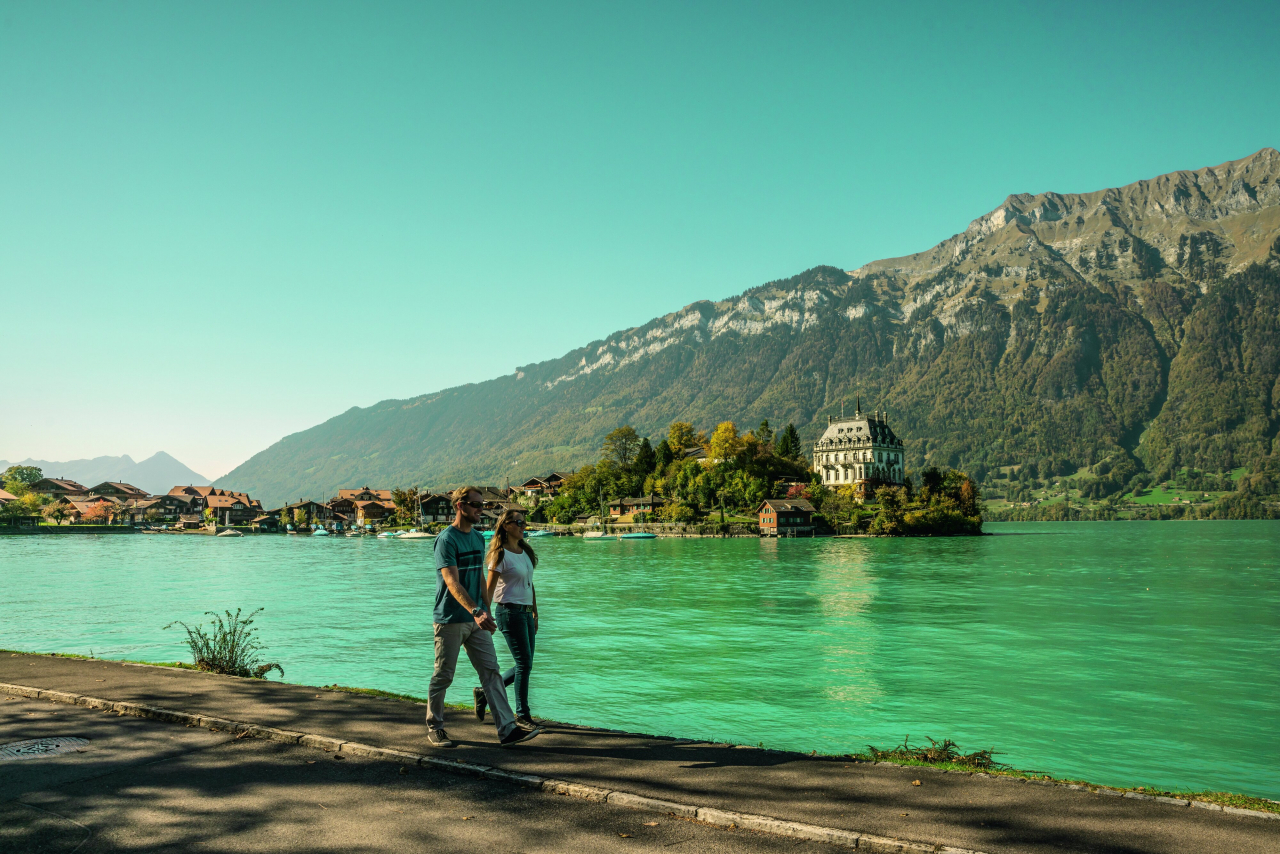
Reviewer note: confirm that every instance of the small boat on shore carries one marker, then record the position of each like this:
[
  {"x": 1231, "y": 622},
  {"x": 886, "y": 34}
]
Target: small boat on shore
[
  {"x": 319, "y": 532},
  {"x": 639, "y": 535},
  {"x": 229, "y": 534},
  {"x": 415, "y": 534},
  {"x": 598, "y": 535}
]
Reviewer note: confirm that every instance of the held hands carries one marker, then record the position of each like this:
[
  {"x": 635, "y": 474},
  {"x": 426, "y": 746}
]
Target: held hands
[{"x": 484, "y": 621}]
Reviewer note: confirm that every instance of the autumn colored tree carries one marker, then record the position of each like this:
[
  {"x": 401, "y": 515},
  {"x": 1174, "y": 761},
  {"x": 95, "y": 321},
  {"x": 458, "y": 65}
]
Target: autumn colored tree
[
  {"x": 96, "y": 514},
  {"x": 726, "y": 444},
  {"x": 681, "y": 437},
  {"x": 621, "y": 446}
]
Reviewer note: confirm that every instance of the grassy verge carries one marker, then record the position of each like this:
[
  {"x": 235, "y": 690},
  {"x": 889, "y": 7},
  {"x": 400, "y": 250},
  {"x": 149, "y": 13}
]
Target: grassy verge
[{"x": 945, "y": 755}]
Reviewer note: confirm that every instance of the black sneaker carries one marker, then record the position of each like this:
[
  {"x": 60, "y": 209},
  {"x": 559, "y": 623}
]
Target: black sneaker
[
  {"x": 481, "y": 702},
  {"x": 526, "y": 722},
  {"x": 517, "y": 735},
  {"x": 439, "y": 738}
]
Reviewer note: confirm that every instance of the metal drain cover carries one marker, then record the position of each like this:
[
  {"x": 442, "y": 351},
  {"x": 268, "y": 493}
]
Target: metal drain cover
[{"x": 40, "y": 747}]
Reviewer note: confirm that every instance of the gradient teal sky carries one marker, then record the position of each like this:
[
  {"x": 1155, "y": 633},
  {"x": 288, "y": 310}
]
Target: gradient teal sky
[{"x": 223, "y": 223}]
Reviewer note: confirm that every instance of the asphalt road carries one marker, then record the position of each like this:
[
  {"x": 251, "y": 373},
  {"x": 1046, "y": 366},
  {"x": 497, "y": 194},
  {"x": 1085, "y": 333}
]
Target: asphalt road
[{"x": 143, "y": 785}]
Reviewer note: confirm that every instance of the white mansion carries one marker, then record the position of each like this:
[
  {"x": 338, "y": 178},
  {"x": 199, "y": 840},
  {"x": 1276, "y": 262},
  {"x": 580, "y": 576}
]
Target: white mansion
[{"x": 860, "y": 451}]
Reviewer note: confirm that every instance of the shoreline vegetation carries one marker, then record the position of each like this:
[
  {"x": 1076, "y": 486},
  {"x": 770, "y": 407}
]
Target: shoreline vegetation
[{"x": 944, "y": 756}]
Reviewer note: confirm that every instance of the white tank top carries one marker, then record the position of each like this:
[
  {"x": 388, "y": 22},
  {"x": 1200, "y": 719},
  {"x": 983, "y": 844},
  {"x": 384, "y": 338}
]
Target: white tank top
[{"x": 515, "y": 579}]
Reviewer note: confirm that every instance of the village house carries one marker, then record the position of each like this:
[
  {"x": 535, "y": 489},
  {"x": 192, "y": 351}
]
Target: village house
[
  {"x": 313, "y": 511},
  {"x": 6, "y": 497},
  {"x": 361, "y": 506},
  {"x": 861, "y": 452},
  {"x": 158, "y": 508},
  {"x": 364, "y": 493},
  {"x": 118, "y": 491},
  {"x": 785, "y": 517},
  {"x": 643, "y": 504},
  {"x": 371, "y": 512},
  {"x": 232, "y": 508},
  {"x": 437, "y": 507},
  {"x": 77, "y": 507},
  {"x": 548, "y": 486},
  {"x": 268, "y": 522},
  {"x": 55, "y": 488}
]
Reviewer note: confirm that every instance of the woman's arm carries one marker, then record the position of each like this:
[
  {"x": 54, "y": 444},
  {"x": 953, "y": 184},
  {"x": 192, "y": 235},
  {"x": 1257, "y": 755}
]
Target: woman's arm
[{"x": 491, "y": 584}]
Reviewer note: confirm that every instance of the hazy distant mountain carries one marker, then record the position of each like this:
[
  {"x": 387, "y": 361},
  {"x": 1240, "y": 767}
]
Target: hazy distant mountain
[
  {"x": 1137, "y": 326},
  {"x": 157, "y": 474}
]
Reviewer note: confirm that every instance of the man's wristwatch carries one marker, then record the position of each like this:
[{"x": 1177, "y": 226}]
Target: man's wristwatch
[{"x": 477, "y": 611}]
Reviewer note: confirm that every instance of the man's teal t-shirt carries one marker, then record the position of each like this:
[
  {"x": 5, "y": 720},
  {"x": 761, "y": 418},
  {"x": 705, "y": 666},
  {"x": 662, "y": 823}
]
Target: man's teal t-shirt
[{"x": 466, "y": 552}]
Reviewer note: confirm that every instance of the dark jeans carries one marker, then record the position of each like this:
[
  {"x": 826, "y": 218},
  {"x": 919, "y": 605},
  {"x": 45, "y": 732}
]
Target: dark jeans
[{"x": 517, "y": 627}]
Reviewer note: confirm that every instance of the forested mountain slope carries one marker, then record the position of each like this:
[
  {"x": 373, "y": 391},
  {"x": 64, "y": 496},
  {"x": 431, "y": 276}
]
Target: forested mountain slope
[{"x": 1136, "y": 325}]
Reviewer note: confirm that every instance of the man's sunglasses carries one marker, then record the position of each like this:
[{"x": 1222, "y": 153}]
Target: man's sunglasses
[{"x": 479, "y": 505}]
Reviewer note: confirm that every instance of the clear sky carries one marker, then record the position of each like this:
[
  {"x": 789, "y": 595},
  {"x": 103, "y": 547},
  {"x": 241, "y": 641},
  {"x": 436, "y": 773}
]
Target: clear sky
[{"x": 221, "y": 223}]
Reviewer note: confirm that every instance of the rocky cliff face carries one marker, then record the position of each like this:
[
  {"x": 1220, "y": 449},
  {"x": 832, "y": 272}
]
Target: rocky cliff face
[{"x": 1067, "y": 328}]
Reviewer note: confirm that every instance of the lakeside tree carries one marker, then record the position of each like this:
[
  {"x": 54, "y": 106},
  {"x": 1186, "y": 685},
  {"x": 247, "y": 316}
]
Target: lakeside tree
[
  {"x": 55, "y": 512},
  {"x": 662, "y": 456},
  {"x": 764, "y": 433},
  {"x": 645, "y": 460},
  {"x": 789, "y": 443},
  {"x": 681, "y": 437},
  {"x": 20, "y": 476},
  {"x": 725, "y": 442},
  {"x": 408, "y": 503},
  {"x": 621, "y": 445},
  {"x": 97, "y": 514}
]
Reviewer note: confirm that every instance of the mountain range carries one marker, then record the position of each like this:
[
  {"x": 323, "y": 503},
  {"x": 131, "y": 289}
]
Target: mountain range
[
  {"x": 1137, "y": 326},
  {"x": 156, "y": 474}
]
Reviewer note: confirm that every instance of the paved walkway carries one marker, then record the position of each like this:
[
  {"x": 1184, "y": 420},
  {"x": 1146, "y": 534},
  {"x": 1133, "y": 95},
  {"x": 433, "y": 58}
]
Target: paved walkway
[
  {"x": 146, "y": 786},
  {"x": 982, "y": 814}
]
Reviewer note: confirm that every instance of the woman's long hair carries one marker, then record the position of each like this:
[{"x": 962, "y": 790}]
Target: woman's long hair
[{"x": 496, "y": 543}]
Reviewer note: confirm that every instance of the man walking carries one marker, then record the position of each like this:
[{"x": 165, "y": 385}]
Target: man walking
[{"x": 462, "y": 619}]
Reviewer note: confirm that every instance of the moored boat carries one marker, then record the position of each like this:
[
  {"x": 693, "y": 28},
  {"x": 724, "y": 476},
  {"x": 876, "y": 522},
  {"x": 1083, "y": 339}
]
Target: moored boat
[{"x": 639, "y": 535}]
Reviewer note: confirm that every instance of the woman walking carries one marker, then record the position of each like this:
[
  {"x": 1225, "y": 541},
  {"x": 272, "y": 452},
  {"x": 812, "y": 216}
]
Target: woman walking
[{"x": 511, "y": 562}]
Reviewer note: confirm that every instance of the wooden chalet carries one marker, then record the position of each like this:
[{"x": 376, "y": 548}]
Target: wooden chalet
[
  {"x": 643, "y": 504},
  {"x": 437, "y": 507},
  {"x": 364, "y": 493},
  {"x": 785, "y": 517},
  {"x": 548, "y": 485},
  {"x": 58, "y": 487},
  {"x": 370, "y": 512},
  {"x": 232, "y": 508},
  {"x": 77, "y": 507},
  {"x": 118, "y": 491},
  {"x": 6, "y": 497},
  {"x": 315, "y": 511}
]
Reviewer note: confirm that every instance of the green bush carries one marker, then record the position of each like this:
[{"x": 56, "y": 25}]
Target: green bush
[{"x": 231, "y": 649}]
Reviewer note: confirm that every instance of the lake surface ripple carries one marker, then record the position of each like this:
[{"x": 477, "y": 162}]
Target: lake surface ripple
[{"x": 1122, "y": 653}]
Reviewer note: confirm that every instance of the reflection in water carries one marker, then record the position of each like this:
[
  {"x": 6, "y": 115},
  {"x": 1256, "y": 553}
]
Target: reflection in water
[{"x": 1125, "y": 653}]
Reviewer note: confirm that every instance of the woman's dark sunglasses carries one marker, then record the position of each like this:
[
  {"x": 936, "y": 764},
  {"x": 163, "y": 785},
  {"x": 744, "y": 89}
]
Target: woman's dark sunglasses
[{"x": 519, "y": 522}]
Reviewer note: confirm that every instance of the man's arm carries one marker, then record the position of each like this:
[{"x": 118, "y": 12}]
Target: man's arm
[{"x": 450, "y": 576}]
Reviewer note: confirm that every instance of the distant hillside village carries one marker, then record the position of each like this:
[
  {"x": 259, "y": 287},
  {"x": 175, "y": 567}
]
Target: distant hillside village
[{"x": 852, "y": 480}]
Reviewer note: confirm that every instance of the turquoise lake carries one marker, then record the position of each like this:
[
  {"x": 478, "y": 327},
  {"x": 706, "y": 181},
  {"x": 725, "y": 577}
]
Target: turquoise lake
[{"x": 1120, "y": 653}]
